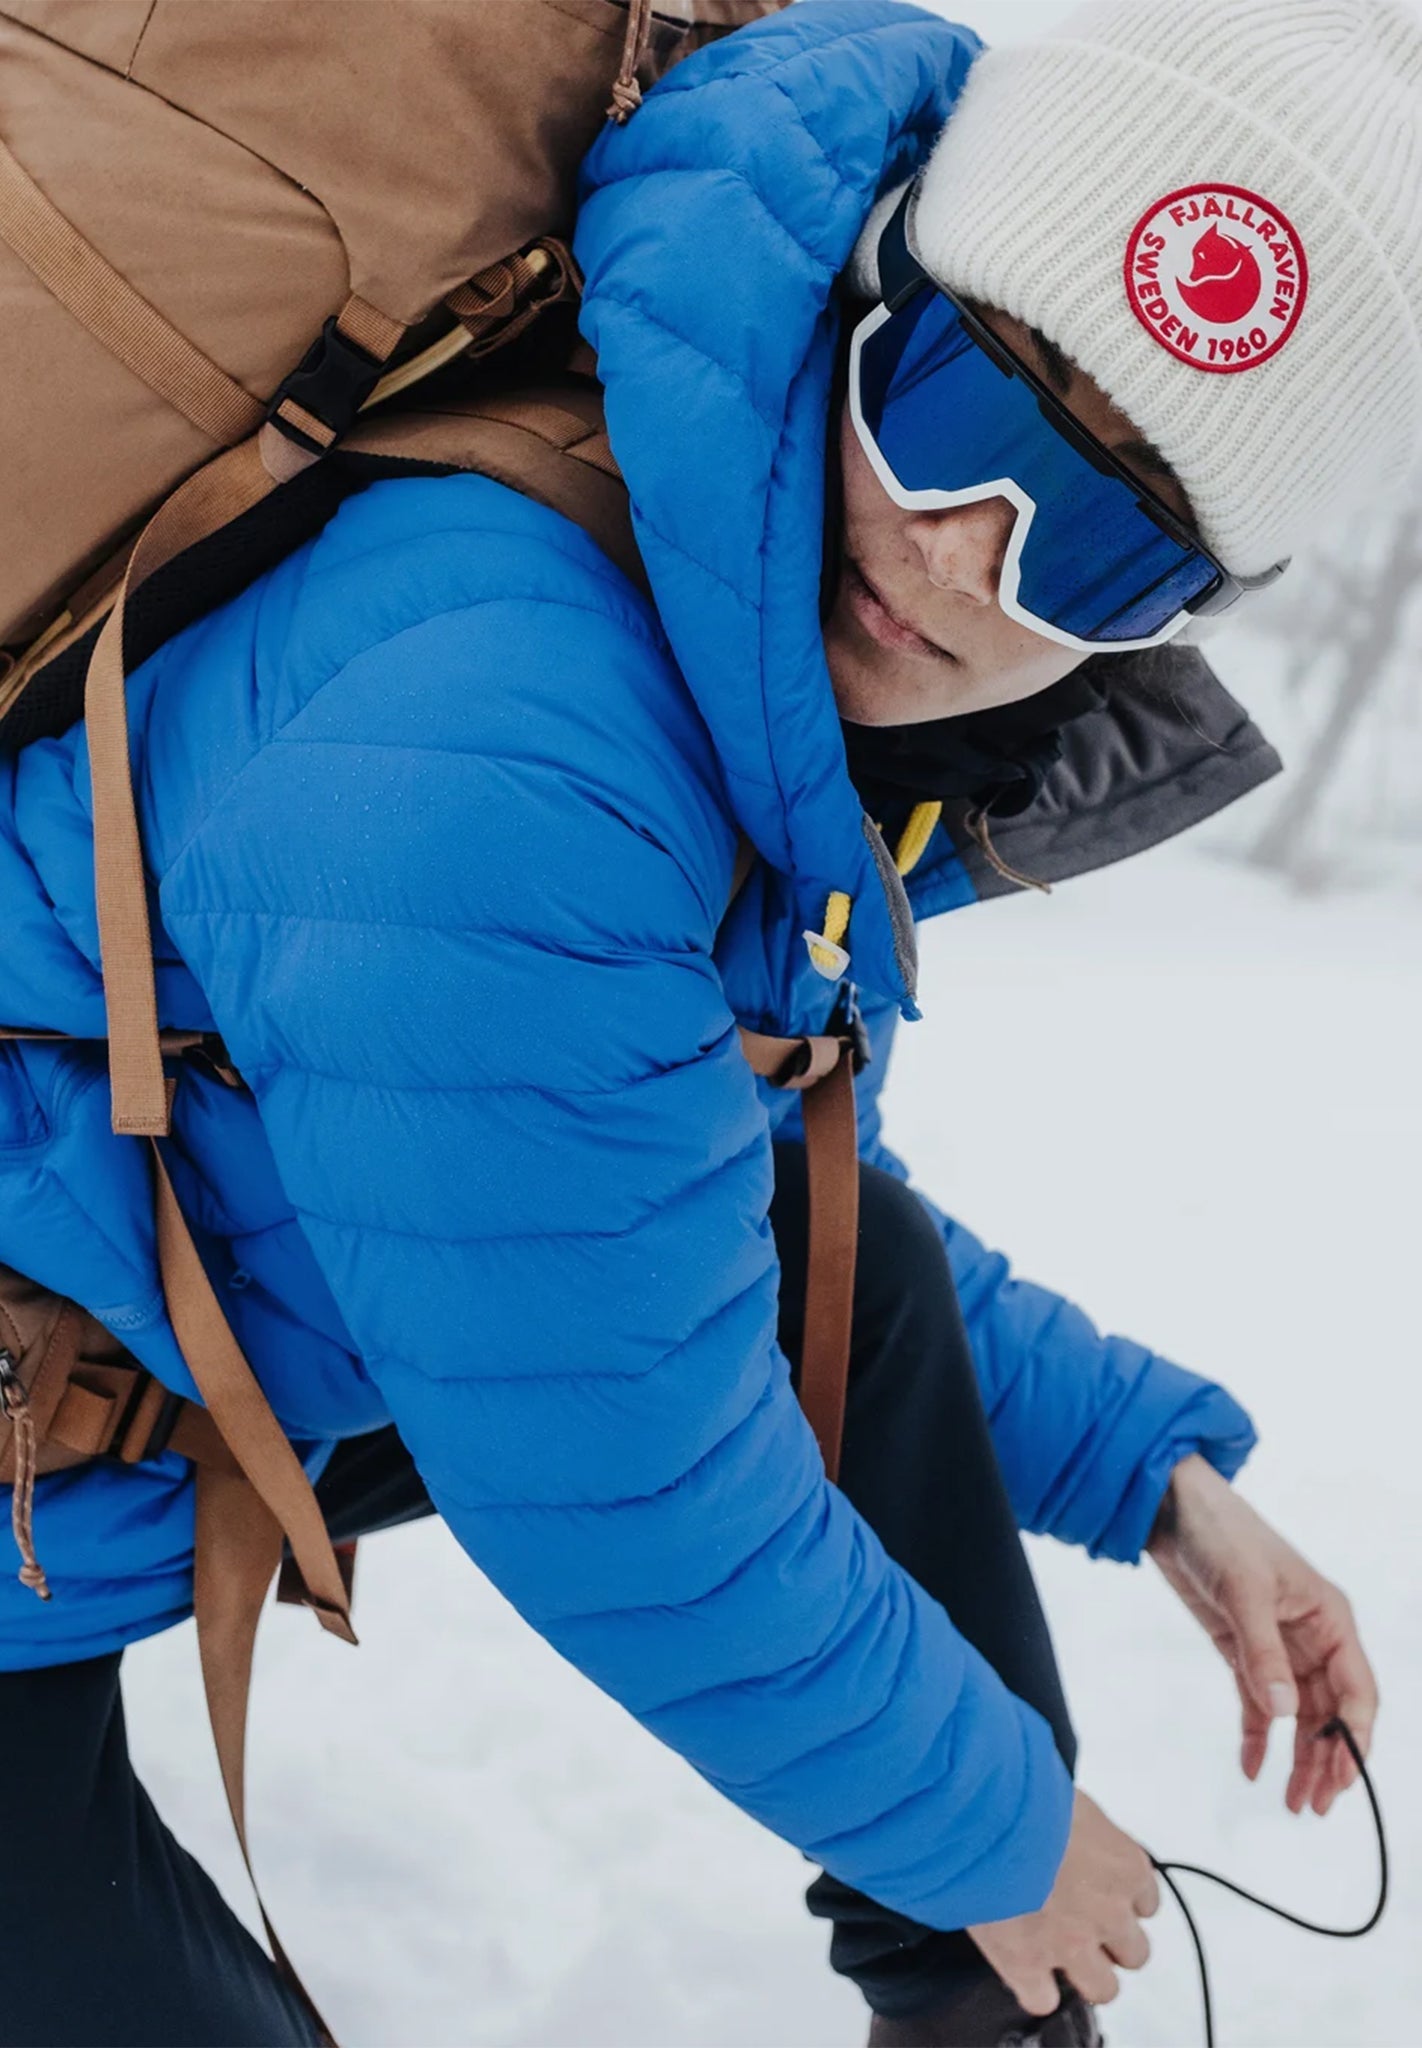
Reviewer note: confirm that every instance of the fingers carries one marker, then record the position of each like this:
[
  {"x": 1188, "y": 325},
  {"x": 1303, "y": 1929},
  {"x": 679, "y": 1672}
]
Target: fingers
[
  {"x": 1021, "y": 1957},
  {"x": 1342, "y": 1687},
  {"x": 1313, "y": 1757},
  {"x": 1254, "y": 1723},
  {"x": 1129, "y": 1944},
  {"x": 1306, "y": 1768},
  {"x": 1037, "y": 1992},
  {"x": 1254, "y": 1743},
  {"x": 1014, "y": 1949},
  {"x": 1353, "y": 1693},
  {"x": 1090, "y": 1926},
  {"x": 1310, "y": 1756},
  {"x": 1339, "y": 1771},
  {"x": 1264, "y": 1665},
  {"x": 1091, "y": 1972},
  {"x": 1351, "y": 1681},
  {"x": 1339, "y": 1774},
  {"x": 1322, "y": 1768},
  {"x": 1326, "y": 1782}
]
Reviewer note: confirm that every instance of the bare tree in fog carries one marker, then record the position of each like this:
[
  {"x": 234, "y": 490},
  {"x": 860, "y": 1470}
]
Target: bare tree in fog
[{"x": 1349, "y": 621}]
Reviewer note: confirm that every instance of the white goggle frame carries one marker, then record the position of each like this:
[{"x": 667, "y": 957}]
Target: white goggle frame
[{"x": 1010, "y": 580}]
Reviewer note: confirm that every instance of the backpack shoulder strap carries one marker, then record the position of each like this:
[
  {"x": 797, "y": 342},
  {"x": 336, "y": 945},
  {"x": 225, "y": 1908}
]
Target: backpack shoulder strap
[{"x": 548, "y": 442}]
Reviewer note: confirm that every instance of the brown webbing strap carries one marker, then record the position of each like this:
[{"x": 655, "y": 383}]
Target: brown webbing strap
[
  {"x": 823, "y": 1070},
  {"x": 555, "y": 454},
  {"x": 504, "y": 299},
  {"x": 571, "y": 434},
  {"x": 376, "y": 332},
  {"x": 237, "y": 1548},
  {"x": 250, "y": 1489},
  {"x": 231, "y": 1392},
  {"x": 240, "y": 1409},
  {"x": 832, "y": 1153},
  {"x": 209, "y": 499},
  {"x": 119, "y": 317}
]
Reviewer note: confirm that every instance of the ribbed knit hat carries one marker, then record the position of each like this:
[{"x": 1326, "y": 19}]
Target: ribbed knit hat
[{"x": 1215, "y": 208}]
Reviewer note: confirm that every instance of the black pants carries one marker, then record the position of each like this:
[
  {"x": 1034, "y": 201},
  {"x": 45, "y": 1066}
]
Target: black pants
[
  {"x": 918, "y": 1463},
  {"x": 111, "y": 1936}
]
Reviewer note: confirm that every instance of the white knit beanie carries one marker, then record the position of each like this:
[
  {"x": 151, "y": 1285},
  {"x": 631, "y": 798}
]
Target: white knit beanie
[{"x": 1215, "y": 208}]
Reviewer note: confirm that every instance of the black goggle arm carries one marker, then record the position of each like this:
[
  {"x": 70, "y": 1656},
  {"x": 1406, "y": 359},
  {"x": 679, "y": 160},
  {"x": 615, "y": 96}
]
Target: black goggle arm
[{"x": 900, "y": 272}]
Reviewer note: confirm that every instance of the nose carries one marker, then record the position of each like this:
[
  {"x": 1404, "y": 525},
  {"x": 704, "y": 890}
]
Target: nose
[{"x": 963, "y": 547}]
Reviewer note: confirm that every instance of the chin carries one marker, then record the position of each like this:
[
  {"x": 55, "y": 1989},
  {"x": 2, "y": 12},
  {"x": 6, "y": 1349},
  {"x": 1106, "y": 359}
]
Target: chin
[{"x": 865, "y": 699}]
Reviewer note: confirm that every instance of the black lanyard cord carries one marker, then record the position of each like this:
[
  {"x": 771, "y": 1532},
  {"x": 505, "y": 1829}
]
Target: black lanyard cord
[{"x": 1344, "y": 1733}]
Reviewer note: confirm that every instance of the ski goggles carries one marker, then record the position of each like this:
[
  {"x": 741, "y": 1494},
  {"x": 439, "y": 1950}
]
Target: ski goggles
[{"x": 947, "y": 416}]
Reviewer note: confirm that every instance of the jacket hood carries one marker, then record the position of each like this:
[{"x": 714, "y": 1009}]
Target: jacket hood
[{"x": 712, "y": 231}]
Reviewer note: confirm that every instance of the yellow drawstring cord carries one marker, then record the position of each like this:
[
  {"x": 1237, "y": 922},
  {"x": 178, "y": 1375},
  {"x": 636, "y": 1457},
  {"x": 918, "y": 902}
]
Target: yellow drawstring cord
[
  {"x": 837, "y": 910},
  {"x": 827, "y": 945},
  {"x": 923, "y": 819}
]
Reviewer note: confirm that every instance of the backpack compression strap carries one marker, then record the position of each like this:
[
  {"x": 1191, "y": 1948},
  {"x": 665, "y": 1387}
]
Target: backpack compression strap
[
  {"x": 106, "y": 304},
  {"x": 823, "y": 1070}
]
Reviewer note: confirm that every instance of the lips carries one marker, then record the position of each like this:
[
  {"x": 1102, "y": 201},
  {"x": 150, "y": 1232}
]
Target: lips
[{"x": 882, "y": 624}]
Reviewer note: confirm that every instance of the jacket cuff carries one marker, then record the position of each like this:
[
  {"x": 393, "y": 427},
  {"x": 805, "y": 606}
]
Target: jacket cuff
[{"x": 1205, "y": 1419}]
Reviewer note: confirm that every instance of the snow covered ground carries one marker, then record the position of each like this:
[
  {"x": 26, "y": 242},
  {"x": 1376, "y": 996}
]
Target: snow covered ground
[{"x": 467, "y": 1847}]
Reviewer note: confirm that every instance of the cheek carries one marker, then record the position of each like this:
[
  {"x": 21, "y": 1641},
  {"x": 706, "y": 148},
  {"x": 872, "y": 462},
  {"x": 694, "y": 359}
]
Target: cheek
[
  {"x": 865, "y": 504},
  {"x": 857, "y": 696},
  {"x": 1010, "y": 662},
  {"x": 1043, "y": 660}
]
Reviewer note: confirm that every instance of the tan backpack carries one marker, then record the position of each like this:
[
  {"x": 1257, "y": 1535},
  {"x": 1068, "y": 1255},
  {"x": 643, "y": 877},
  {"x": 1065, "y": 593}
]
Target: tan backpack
[{"x": 239, "y": 244}]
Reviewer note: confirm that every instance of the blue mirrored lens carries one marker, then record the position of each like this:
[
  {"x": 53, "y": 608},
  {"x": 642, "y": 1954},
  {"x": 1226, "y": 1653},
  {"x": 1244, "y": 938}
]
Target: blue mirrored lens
[{"x": 946, "y": 418}]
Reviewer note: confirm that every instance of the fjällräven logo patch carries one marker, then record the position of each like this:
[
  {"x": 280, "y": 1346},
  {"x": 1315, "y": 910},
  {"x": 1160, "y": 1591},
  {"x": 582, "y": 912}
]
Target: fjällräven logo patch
[{"x": 1216, "y": 275}]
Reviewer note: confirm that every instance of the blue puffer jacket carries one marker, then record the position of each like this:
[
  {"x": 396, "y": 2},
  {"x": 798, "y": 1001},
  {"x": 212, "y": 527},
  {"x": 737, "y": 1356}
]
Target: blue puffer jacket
[{"x": 440, "y": 818}]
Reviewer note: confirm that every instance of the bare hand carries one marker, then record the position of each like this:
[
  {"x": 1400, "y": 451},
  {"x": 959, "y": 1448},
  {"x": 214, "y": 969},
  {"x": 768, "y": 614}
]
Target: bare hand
[
  {"x": 1287, "y": 1634},
  {"x": 1089, "y": 1926}
]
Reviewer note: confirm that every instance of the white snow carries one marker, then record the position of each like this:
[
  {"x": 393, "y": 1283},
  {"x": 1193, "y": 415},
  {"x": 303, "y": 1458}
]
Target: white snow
[{"x": 1189, "y": 1100}]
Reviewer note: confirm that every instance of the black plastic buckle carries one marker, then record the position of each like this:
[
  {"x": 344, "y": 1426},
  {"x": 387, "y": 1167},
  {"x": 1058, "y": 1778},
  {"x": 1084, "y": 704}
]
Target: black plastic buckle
[
  {"x": 332, "y": 381},
  {"x": 164, "y": 1422},
  {"x": 847, "y": 1021}
]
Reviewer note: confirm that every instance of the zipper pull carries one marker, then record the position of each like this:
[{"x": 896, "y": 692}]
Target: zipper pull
[{"x": 12, "y": 1389}]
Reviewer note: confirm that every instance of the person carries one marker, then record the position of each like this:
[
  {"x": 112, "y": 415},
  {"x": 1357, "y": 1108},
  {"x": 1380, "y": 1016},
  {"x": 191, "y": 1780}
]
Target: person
[{"x": 441, "y": 818}]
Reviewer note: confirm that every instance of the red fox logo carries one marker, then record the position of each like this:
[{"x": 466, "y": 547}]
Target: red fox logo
[
  {"x": 1216, "y": 275},
  {"x": 1225, "y": 279}
]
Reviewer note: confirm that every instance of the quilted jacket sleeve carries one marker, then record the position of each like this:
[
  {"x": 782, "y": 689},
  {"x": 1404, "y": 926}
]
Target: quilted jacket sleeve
[
  {"x": 1088, "y": 1428},
  {"x": 471, "y": 986}
]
